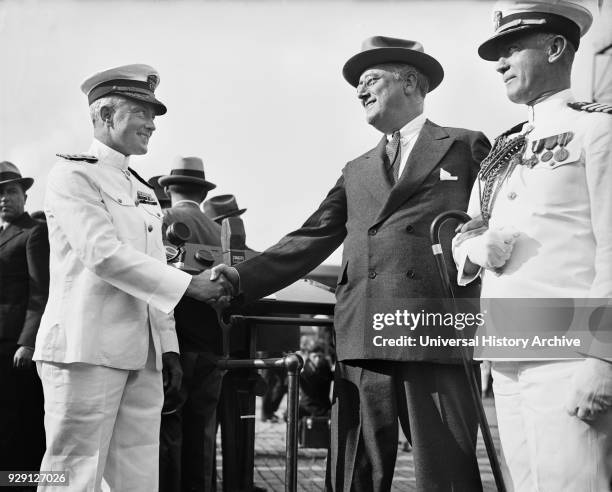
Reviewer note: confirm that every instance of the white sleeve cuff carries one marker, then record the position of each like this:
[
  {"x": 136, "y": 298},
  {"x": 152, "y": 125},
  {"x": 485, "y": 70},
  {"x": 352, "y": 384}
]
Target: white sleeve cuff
[
  {"x": 170, "y": 289},
  {"x": 460, "y": 255}
]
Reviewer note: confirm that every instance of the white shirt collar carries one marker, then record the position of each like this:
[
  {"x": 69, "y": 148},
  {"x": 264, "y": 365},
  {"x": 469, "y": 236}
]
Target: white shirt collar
[
  {"x": 186, "y": 201},
  {"x": 546, "y": 109},
  {"x": 108, "y": 156},
  {"x": 411, "y": 129}
]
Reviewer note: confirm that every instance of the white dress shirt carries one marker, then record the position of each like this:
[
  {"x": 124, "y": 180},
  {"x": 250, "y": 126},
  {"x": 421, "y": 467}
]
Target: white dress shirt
[{"x": 408, "y": 135}]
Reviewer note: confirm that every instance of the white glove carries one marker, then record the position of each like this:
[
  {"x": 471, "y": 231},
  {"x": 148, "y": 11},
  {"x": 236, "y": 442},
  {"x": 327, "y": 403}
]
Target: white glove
[
  {"x": 591, "y": 392},
  {"x": 493, "y": 248}
]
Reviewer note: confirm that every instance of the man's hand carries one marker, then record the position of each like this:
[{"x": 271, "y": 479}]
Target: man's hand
[
  {"x": 209, "y": 287},
  {"x": 172, "y": 373},
  {"x": 471, "y": 228},
  {"x": 492, "y": 248},
  {"x": 227, "y": 274},
  {"x": 591, "y": 393},
  {"x": 230, "y": 274},
  {"x": 23, "y": 357}
]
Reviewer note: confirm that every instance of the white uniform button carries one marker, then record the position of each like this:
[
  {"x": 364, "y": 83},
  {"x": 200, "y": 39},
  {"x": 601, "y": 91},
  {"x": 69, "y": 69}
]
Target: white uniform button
[
  {"x": 512, "y": 195},
  {"x": 150, "y": 228},
  {"x": 120, "y": 200}
]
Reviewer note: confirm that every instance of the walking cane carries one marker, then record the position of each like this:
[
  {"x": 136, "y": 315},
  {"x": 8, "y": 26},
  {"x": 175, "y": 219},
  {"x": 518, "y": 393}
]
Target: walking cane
[{"x": 434, "y": 233}]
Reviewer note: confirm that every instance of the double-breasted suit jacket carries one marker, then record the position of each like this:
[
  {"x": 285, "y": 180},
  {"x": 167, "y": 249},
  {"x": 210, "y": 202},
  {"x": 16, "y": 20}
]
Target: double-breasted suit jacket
[
  {"x": 24, "y": 281},
  {"x": 385, "y": 230}
]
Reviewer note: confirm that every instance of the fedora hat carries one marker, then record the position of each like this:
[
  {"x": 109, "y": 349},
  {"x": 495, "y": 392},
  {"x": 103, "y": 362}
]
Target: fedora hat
[
  {"x": 512, "y": 18},
  {"x": 187, "y": 170},
  {"x": 382, "y": 49},
  {"x": 222, "y": 206},
  {"x": 9, "y": 173}
]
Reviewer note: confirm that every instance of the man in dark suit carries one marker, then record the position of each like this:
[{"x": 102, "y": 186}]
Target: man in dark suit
[
  {"x": 24, "y": 287},
  {"x": 381, "y": 208},
  {"x": 189, "y": 424}
]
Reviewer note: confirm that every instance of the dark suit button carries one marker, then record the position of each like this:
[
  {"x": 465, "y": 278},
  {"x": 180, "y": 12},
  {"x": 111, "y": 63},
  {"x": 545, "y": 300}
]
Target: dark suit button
[
  {"x": 410, "y": 273},
  {"x": 409, "y": 228},
  {"x": 372, "y": 231},
  {"x": 371, "y": 274},
  {"x": 150, "y": 228}
]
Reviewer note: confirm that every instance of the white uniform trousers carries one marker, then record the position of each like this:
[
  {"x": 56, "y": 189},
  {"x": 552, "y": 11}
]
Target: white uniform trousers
[
  {"x": 100, "y": 423},
  {"x": 545, "y": 449}
]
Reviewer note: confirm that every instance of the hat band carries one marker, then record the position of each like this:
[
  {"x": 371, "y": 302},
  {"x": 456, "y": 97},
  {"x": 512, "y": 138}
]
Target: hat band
[
  {"x": 8, "y": 175},
  {"x": 544, "y": 22},
  {"x": 187, "y": 172},
  {"x": 118, "y": 87}
]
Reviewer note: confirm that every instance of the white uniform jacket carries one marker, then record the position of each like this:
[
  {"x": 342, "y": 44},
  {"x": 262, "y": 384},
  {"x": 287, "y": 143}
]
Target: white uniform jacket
[
  {"x": 110, "y": 285},
  {"x": 563, "y": 211}
]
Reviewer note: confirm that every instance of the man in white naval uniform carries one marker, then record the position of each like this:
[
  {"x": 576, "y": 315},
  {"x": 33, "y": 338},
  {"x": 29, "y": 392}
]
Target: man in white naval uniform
[
  {"x": 109, "y": 316},
  {"x": 544, "y": 230}
]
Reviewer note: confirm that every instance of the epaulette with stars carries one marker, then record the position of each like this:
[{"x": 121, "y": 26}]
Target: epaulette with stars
[
  {"x": 591, "y": 107},
  {"x": 91, "y": 159}
]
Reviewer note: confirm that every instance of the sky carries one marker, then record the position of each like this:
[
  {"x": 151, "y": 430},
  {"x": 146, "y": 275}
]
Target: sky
[{"x": 254, "y": 88}]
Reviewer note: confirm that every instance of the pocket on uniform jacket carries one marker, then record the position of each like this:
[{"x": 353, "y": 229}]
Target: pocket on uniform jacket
[
  {"x": 128, "y": 221},
  {"x": 152, "y": 210},
  {"x": 118, "y": 199}
]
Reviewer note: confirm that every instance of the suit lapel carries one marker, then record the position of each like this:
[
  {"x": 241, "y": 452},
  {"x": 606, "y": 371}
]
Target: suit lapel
[
  {"x": 432, "y": 144},
  {"x": 9, "y": 233},
  {"x": 371, "y": 167}
]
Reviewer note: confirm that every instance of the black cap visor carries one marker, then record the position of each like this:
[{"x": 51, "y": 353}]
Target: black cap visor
[{"x": 132, "y": 89}]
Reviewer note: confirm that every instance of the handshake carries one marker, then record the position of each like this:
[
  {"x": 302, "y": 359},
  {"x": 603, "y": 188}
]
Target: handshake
[{"x": 216, "y": 287}]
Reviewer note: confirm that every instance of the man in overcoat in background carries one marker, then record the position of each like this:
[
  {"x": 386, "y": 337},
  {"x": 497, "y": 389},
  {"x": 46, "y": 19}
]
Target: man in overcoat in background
[{"x": 24, "y": 287}]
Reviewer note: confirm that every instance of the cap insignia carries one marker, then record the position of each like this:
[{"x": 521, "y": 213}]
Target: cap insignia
[
  {"x": 497, "y": 18},
  {"x": 152, "y": 81}
]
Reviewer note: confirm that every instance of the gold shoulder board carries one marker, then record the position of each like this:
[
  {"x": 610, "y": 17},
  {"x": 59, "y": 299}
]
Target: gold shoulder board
[
  {"x": 591, "y": 107},
  {"x": 91, "y": 159}
]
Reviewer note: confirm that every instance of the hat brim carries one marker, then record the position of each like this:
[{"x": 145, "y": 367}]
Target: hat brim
[
  {"x": 25, "y": 182},
  {"x": 234, "y": 213},
  {"x": 489, "y": 50},
  {"x": 169, "y": 180},
  {"x": 427, "y": 64},
  {"x": 160, "y": 107}
]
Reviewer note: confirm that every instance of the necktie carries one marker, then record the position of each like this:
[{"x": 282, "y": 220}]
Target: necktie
[{"x": 394, "y": 154}]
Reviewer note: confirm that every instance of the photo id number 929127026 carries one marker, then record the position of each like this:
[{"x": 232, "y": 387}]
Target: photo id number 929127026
[{"x": 24, "y": 478}]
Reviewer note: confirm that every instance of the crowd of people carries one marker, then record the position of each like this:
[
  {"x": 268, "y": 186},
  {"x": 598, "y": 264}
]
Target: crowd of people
[{"x": 122, "y": 346}]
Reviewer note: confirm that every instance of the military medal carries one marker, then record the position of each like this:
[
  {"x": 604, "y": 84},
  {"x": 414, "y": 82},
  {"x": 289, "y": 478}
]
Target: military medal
[
  {"x": 536, "y": 148},
  {"x": 562, "y": 154},
  {"x": 532, "y": 161},
  {"x": 145, "y": 198},
  {"x": 549, "y": 143}
]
